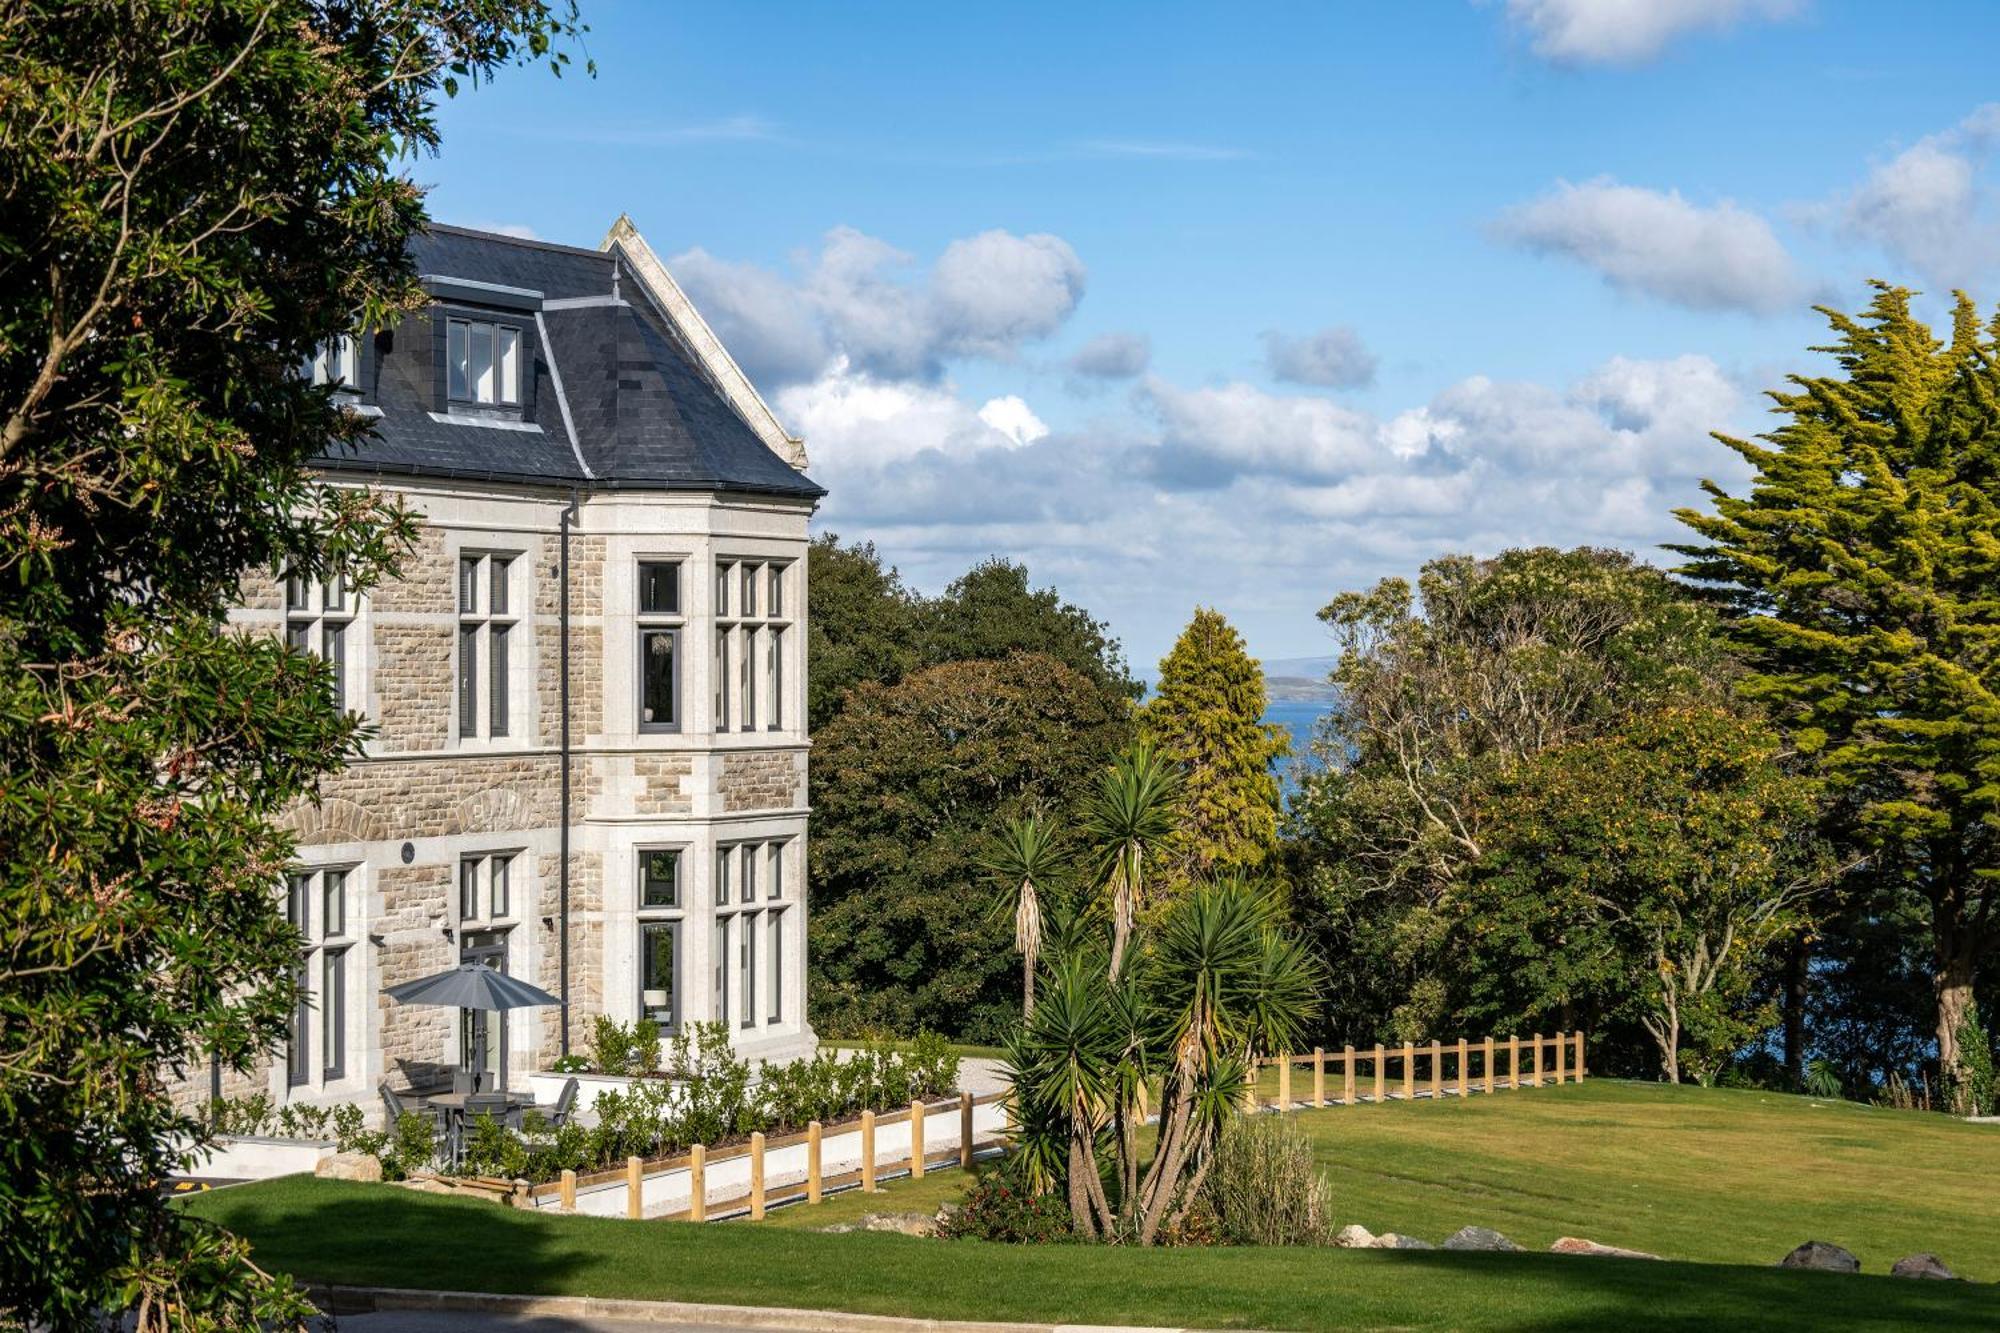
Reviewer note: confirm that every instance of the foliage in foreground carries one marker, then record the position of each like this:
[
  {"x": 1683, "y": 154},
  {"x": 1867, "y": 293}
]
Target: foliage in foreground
[{"x": 193, "y": 199}]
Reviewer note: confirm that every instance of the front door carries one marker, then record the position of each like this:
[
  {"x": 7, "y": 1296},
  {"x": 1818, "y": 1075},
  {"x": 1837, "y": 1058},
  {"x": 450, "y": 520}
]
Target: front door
[{"x": 482, "y": 1036}]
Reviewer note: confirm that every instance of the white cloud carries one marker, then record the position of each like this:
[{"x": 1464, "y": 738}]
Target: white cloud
[
  {"x": 1113, "y": 356},
  {"x": 992, "y": 292},
  {"x": 1334, "y": 358},
  {"x": 1720, "y": 257},
  {"x": 1013, "y": 418},
  {"x": 1629, "y": 32},
  {"x": 1927, "y": 207},
  {"x": 760, "y": 317},
  {"x": 860, "y": 298},
  {"x": 1263, "y": 503}
]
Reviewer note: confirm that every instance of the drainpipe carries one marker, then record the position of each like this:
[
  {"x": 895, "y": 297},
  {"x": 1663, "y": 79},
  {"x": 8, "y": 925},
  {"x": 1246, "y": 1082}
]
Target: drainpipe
[{"x": 569, "y": 515}]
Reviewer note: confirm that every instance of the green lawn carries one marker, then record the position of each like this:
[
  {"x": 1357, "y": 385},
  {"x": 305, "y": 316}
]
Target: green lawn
[{"x": 1733, "y": 1179}]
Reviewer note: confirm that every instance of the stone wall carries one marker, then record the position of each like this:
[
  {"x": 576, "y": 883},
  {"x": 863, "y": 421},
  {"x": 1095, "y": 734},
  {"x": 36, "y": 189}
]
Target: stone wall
[
  {"x": 428, "y": 583},
  {"x": 586, "y": 682},
  {"x": 586, "y": 577},
  {"x": 416, "y": 901},
  {"x": 663, "y": 784},
  {"x": 761, "y": 780},
  {"x": 414, "y": 689},
  {"x": 465, "y": 793}
]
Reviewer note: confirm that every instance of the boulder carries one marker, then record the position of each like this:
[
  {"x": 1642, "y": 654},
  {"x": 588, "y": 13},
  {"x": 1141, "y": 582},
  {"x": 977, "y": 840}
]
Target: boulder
[
  {"x": 349, "y": 1166},
  {"x": 1389, "y": 1240},
  {"x": 1578, "y": 1245},
  {"x": 1478, "y": 1238},
  {"x": 1354, "y": 1236},
  {"x": 1922, "y": 1265},
  {"x": 906, "y": 1224},
  {"x": 1823, "y": 1256}
]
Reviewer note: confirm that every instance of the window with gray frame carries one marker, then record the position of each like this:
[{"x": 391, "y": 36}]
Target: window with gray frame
[
  {"x": 317, "y": 906},
  {"x": 318, "y": 617},
  {"x": 659, "y": 645},
  {"x": 486, "y": 887},
  {"x": 752, "y": 922},
  {"x": 751, "y": 630},
  {"x": 483, "y": 362},
  {"x": 660, "y": 920},
  {"x": 486, "y": 623}
]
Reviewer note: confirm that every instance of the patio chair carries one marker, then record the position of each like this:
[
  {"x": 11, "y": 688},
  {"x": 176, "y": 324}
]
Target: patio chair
[{"x": 559, "y": 1114}]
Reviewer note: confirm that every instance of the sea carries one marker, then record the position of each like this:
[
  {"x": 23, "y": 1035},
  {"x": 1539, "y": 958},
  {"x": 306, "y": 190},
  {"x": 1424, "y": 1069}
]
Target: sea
[{"x": 1297, "y": 717}]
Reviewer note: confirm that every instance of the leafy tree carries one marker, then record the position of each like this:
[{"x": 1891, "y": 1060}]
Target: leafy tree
[
  {"x": 914, "y": 776},
  {"x": 991, "y": 612},
  {"x": 1860, "y": 569},
  {"x": 1648, "y": 874},
  {"x": 1206, "y": 718},
  {"x": 1506, "y": 659},
  {"x": 193, "y": 198},
  {"x": 863, "y": 625}
]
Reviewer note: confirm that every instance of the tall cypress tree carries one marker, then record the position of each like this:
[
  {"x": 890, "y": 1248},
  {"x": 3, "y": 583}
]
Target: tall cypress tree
[
  {"x": 1207, "y": 718},
  {"x": 1864, "y": 570}
]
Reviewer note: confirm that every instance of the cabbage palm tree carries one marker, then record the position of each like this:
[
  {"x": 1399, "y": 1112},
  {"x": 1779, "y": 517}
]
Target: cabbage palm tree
[
  {"x": 1218, "y": 981},
  {"x": 1030, "y": 854},
  {"x": 1132, "y": 809}
]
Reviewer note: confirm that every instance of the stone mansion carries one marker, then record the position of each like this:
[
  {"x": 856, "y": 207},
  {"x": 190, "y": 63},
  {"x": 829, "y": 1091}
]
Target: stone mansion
[{"x": 587, "y": 685}]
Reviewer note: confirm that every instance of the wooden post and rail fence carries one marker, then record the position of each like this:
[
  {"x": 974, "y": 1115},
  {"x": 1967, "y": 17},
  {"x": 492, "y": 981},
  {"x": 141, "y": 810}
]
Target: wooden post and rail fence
[
  {"x": 764, "y": 1172},
  {"x": 1458, "y": 1069},
  {"x": 749, "y": 1183}
]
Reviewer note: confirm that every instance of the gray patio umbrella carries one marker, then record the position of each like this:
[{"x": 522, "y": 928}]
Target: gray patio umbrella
[{"x": 471, "y": 986}]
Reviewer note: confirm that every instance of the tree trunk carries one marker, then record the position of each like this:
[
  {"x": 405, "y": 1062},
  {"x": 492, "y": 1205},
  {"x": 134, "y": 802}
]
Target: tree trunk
[
  {"x": 1798, "y": 967},
  {"x": 1027, "y": 983},
  {"x": 1951, "y": 979},
  {"x": 1082, "y": 1169}
]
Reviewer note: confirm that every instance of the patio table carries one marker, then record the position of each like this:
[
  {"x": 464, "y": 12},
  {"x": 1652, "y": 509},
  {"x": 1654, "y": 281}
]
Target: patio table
[{"x": 503, "y": 1105}]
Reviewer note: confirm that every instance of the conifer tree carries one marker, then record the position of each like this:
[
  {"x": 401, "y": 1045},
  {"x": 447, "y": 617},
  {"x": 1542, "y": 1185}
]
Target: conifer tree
[
  {"x": 1207, "y": 719},
  {"x": 1863, "y": 566}
]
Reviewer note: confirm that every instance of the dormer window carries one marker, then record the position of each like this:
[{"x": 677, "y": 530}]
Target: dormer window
[
  {"x": 337, "y": 362},
  {"x": 483, "y": 362}
]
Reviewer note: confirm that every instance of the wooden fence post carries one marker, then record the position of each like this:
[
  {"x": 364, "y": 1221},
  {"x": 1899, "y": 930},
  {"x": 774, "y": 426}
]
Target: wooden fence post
[
  {"x": 1409, "y": 1071},
  {"x": 965, "y": 1131},
  {"x": 1462, "y": 1062},
  {"x": 1347, "y": 1076},
  {"x": 1579, "y": 1057},
  {"x": 1285, "y": 1083},
  {"x": 1379, "y": 1073},
  {"x": 698, "y": 1183},
  {"x": 1319, "y": 1076},
  {"x": 1437, "y": 1067},
  {"x": 1513, "y": 1060},
  {"x": 1562, "y": 1051},
  {"x": 632, "y": 1200},
  {"x": 917, "y": 1139},
  {"x": 1535, "y": 1062},
  {"x": 569, "y": 1190},
  {"x": 1486, "y": 1053},
  {"x": 814, "y": 1187},
  {"x": 757, "y": 1176},
  {"x": 867, "y": 1152}
]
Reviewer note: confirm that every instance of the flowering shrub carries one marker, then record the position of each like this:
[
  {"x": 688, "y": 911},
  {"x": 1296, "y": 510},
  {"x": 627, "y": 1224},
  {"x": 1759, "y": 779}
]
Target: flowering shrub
[{"x": 998, "y": 1206}]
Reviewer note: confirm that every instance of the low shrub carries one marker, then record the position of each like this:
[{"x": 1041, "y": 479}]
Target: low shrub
[
  {"x": 1265, "y": 1187},
  {"x": 997, "y": 1206},
  {"x": 241, "y": 1115},
  {"x": 625, "y": 1049}
]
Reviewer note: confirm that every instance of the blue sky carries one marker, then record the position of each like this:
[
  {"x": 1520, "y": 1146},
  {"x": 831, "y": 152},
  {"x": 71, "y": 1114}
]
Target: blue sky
[{"x": 1246, "y": 306}]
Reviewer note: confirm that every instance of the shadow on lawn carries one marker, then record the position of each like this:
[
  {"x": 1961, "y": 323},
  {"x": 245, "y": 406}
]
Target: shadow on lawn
[
  {"x": 371, "y": 1236},
  {"x": 1605, "y": 1293}
]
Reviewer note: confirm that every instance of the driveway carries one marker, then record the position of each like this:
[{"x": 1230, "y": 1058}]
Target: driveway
[{"x": 448, "y": 1321}]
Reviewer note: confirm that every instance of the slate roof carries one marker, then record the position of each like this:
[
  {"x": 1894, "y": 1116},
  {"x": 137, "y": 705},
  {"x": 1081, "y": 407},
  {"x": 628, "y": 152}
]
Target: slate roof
[{"x": 645, "y": 411}]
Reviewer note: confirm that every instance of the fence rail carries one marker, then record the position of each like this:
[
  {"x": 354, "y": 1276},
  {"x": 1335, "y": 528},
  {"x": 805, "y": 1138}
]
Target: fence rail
[
  {"x": 1435, "y": 1069},
  {"x": 764, "y": 1173}
]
